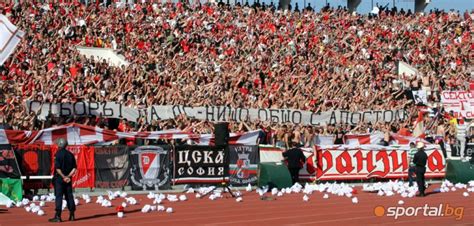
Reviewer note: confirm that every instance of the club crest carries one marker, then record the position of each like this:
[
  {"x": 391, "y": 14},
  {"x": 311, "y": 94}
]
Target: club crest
[{"x": 152, "y": 171}]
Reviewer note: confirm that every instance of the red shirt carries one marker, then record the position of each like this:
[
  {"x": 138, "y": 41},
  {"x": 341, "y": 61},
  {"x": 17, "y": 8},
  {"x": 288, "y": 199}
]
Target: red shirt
[
  {"x": 50, "y": 66},
  {"x": 73, "y": 71}
]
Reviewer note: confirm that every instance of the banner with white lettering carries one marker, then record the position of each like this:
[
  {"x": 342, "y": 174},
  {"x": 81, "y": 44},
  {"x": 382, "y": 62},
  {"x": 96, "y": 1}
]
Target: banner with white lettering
[
  {"x": 199, "y": 164},
  {"x": 341, "y": 163},
  {"x": 223, "y": 113},
  {"x": 460, "y": 102},
  {"x": 82, "y": 109},
  {"x": 213, "y": 113},
  {"x": 244, "y": 161}
]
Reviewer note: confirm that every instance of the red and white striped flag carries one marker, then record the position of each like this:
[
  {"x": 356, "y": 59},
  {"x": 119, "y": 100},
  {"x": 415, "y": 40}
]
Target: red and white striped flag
[
  {"x": 77, "y": 134},
  {"x": 358, "y": 139}
]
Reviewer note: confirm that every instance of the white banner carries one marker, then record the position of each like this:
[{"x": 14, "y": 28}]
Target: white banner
[
  {"x": 10, "y": 36},
  {"x": 83, "y": 109},
  {"x": 213, "y": 113},
  {"x": 420, "y": 97},
  {"x": 223, "y": 113},
  {"x": 460, "y": 102}
]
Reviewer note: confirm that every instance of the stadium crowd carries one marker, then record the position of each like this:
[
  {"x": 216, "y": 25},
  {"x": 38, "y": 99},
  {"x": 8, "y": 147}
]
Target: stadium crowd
[{"x": 239, "y": 56}]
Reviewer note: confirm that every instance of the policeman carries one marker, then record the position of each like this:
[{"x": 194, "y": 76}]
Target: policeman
[
  {"x": 295, "y": 159},
  {"x": 64, "y": 169},
  {"x": 420, "y": 159}
]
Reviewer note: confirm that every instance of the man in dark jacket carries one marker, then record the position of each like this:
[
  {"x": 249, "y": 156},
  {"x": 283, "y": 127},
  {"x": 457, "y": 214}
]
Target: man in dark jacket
[
  {"x": 64, "y": 169},
  {"x": 420, "y": 159},
  {"x": 295, "y": 159}
]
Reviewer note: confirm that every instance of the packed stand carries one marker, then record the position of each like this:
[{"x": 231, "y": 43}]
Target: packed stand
[{"x": 238, "y": 56}]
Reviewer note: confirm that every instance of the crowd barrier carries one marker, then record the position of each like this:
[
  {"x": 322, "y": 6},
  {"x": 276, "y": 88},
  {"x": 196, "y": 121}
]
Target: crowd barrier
[{"x": 158, "y": 167}]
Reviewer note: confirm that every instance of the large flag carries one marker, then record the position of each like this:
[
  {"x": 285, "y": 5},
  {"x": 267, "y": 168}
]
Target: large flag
[{"x": 10, "y": 36}]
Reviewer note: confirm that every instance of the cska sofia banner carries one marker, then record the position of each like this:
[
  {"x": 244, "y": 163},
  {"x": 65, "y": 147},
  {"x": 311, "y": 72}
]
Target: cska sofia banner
[
  {"x": 150, "y": 167},
  {"x": 243, "y": 164},
  {"x": 200, "y": 164},
  {"x": 380, "y": 162}
]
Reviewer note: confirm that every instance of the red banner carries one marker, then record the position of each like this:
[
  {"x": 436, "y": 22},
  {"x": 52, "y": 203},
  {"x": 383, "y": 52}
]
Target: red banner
[
  {"x": 85, "y": 175},
  {"x": 356, "y": 163}
]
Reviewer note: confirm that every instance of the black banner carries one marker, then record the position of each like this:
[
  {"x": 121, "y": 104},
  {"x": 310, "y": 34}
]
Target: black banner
[
  {"x": 8, "y": 164},
  {"x": 112, "y": 166},
  {"x": 34, "y": 161},
  {"x": 200, "y": 164},
  {"x": 469, "y": 151},
  {"x": 456, "y": 149},
  {"x": 243, "y": 164},
  {"x": 150, "y": 168}
]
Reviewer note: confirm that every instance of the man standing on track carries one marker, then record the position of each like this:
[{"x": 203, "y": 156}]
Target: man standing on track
[
  {"x": 295, "y": 159},
  {"x": 64, "y": 169},
  {"x": 420, "y": 162}
]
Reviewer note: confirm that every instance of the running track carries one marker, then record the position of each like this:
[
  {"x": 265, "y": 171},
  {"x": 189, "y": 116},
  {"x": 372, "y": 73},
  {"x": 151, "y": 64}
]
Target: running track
[{"x": 286, "y": 210}]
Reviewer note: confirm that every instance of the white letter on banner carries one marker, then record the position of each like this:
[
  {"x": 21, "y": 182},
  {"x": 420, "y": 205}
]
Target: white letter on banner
[
  {"x": 207, "y": 156},
  {"x": 220, "y": 157},
  {"x": 180, "y": 171},
  {"x": 196, "y": 156},
  {"x": 220, "y": 171},
  {"x": 183, "y": 157},
  {"x": 200, "y": 171},
  {"x": 211, "y": 171},
  {"x": 190, "y": 171}
]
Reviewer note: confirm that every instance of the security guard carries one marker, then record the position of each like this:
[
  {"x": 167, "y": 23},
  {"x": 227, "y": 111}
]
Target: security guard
[
  {"x": 295, "y": 159},
  {"x": 64, "y": 169},
  {"x": 420, "y": 164}
]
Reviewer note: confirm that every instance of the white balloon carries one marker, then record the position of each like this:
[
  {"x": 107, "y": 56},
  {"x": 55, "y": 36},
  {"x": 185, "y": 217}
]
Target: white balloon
[
  {"x": 160, "y": 208},
  {"x": 183, "y": 198},
  {"x": 355, "y": 200},
  {"x": 305, "y": 198}
]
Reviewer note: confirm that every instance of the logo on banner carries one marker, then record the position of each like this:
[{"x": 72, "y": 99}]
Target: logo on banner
[
  {"x": 243, "y": 172},
  {"x": 150, "y": 167},
  {"x": 243, "y": 164}
]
